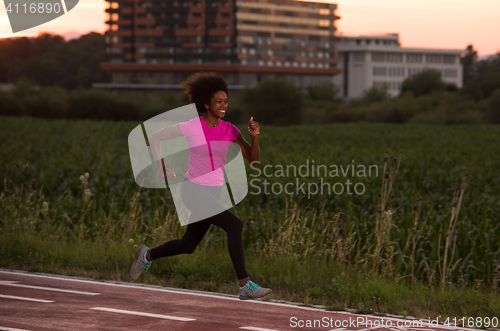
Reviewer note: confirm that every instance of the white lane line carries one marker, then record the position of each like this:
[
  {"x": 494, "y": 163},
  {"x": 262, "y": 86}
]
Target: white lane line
[
  {"x": 7, "y": 283},
  {"x": 23, "y": 298},
  {"x": 4, "y": 328},
  {"x": 193, "y": 293},
  {"x": 254, "y": 328},
  {"x": 129, "y": 312}
]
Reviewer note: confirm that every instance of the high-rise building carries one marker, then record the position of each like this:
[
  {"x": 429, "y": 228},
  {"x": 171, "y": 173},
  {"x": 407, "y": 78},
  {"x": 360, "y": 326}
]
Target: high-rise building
[
  {"x": 380, "y": 61},
  {"x": 159, "y": 43}
]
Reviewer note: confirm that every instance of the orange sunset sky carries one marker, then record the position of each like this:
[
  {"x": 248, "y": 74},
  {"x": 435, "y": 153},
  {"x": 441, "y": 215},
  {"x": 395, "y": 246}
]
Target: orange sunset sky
[{"x": 450, "y": 24}]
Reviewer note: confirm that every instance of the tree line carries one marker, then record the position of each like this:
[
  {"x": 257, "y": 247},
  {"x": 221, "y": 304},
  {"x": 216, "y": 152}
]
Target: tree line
[
  {"x": 49, "y": 60},
  {"x": 65, "y": 71}
]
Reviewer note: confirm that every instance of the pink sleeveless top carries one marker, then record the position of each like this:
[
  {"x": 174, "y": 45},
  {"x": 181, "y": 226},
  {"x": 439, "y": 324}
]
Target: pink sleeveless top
[{"x": 207, "y": 149}]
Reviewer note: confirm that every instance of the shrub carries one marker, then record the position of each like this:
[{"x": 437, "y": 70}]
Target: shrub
[
  {"x": 428, "y": 118},
  {"x": 9, "y": 104},
  {"x": 101, "y": 105},
  {"x": 493, "y": 107},
  {"x": 319, "y": 112},
  {"x": 48, "y": 102},
  {"x": 347, "y": 113},
  {"x": 383, "y": 112},
  {"x": 275, "y": 101},
  {"x": 324, "y": 91},
  {"x": 424, "y": 83},
  {"x": 374, "y": 94},
  {"x": 446, "y": 108}
]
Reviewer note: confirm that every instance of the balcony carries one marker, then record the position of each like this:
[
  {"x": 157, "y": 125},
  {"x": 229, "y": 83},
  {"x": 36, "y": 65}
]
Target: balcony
[
  {"x": 220, "y": 32},
  {"x": 189, "y": 32}
]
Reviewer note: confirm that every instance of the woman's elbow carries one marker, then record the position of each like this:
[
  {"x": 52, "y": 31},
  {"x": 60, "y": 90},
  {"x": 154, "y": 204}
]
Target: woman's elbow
[
  {"x": 254, "y": 160},
  {"x": 152, "y": 137}
]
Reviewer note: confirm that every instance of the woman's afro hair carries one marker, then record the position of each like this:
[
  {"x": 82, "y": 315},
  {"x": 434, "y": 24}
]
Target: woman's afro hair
[{"x": 202, "y": 86}]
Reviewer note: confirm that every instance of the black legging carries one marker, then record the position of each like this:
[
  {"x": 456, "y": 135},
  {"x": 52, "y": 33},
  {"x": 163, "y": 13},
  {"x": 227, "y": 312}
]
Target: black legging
[{"x": 196, "y": 197}]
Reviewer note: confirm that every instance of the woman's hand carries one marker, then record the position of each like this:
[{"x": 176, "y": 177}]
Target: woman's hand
[
  {"x": 253, "y": 128},
  {"x": 164, "y": 171},
  {"x": 170, "y": 174}
]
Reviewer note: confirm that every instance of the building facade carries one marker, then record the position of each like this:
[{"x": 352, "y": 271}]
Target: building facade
[
  {"x": 380, "y": 61},
  {"x": 159, "y": 43}
]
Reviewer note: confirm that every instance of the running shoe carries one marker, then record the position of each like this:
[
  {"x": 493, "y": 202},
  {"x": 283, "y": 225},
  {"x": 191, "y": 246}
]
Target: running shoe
[
  {"x": 253, "y": 291},
  {"x": 140, "y": 263}
]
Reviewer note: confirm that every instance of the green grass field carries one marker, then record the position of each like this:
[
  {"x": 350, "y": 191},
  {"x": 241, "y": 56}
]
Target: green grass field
[{"x": 394, "y": 253}]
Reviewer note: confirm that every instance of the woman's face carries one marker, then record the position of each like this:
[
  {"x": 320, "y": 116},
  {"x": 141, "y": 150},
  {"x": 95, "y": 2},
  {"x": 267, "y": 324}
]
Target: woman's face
[{"x": 218, "y": 104}]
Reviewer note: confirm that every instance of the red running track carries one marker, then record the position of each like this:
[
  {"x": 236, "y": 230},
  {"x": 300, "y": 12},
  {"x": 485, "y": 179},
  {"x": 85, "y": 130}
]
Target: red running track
[{"x": 34, "y": 302}]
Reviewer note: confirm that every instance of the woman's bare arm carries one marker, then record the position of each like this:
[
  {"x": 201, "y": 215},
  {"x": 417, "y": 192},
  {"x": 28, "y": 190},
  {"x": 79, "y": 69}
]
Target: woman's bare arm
[
  {"x": 250, "y": 152},
  {"x": 166, "y": 133}
]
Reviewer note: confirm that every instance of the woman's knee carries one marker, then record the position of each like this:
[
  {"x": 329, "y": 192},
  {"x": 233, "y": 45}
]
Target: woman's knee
[
  {"x": 189, "y": 249},
  {"x": 239, "y": 225},
  {"x": 236, "y": 226}
]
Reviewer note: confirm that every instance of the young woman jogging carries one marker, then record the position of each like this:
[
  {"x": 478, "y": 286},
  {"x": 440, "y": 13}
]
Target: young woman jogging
[{"x": 202, "y": 187}]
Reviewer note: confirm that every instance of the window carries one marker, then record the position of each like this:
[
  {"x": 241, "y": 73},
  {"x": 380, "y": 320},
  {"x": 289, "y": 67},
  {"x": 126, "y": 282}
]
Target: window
[
  {"x": 396, "y": 71},
  {"x": 379, "y": 71},
  {"x": 414, "y": 58},
  {"x": 378, "y": 57},
  {"x": 413, "y": 71},
  {"x": 449, "y": 59},
  {"x": 324, "y": 23},
  {"x": 395, "y": 57},
  {"x": 434, "y": 58}
]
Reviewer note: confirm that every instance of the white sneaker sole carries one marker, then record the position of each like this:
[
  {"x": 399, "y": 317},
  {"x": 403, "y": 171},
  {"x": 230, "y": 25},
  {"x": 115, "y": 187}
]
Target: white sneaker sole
[
  {"x": 137, "y": 255},
  {"x": 263, "y": 294}
]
